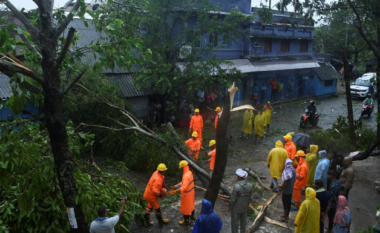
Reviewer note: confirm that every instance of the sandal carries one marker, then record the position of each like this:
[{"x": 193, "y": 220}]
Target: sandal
[
  {"x": 282, "y": 216},
  {"x": 283, "y": 220}
]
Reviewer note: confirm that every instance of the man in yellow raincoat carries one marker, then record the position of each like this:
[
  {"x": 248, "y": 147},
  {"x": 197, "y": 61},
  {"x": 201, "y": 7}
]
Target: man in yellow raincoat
[
  {"x": 259, "y": 125},
  {"x": 307, "y": 220},
  {"x": 268, "y": 114},
  {"x": 276, "y": 163},
  {"x": 247, "y": 123},
  {"x": 312, "y": 162}
]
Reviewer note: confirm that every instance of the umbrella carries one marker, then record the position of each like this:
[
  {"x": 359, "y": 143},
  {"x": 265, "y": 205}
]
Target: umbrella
[{"x": 303, "y": 140}]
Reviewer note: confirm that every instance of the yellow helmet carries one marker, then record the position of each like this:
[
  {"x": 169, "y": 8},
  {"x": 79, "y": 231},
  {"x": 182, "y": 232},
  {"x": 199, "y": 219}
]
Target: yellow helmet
[
  {"x": 194, "y": 134},
  {"x": 288, "y": 137},
  {"x": 218, "y": 109},
  {"x": 196, "y": 110},
  {"x": 212, "y": 142},
  {"x": 300, "y": 153},
  {"x": 162, "y": 167},
  {"x": 183, "y": 163}
]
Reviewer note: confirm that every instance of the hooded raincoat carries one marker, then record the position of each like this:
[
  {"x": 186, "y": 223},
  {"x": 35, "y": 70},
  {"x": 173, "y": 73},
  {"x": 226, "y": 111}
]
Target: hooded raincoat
[
  {"x": 260, "y": 124},
  {"x": 153, "y": 190},
  {"x": 247, "y": 123},
  {"x": 208, "y": 221},
  {"x": 290, "y": 147},
  {"x": 196, "y": 124},
  {"x": 276, "y": 160},
  {"x": 312, "y": 161},
  {"x": 187, "y": 192},
  {"x": 307, "y": 220},
  {"x": 268, "y": 114},
  {"x": 322, "y": 168}
]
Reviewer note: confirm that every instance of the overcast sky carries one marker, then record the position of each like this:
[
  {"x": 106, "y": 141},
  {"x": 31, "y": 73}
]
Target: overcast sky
[{"x": 29, "y": 4}]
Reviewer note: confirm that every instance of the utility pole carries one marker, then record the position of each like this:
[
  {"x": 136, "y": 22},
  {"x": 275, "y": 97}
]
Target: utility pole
[{"x": 350, "y": 114}]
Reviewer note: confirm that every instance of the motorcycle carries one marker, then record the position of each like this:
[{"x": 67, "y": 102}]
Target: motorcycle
[
  {"x": 305, "y": 118},
  {"x": 366, "y": 110}
]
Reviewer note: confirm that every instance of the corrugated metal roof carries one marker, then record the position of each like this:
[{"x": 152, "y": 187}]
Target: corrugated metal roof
[
  {"x": 91, "y": 35},
  {"x": 246, "y": 66},
  {"x": 127, "y": 87},
  {"x": 5, "y": 87},
  {"x": 327, "y": 72}
]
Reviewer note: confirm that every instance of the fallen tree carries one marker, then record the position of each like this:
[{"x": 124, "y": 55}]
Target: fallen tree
[{"x": 136, "y": 126}]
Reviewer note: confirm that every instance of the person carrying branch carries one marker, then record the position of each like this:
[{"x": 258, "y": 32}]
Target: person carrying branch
[
  {"x": 186, "y": 189},
  {"x": 156, "y": 188}
]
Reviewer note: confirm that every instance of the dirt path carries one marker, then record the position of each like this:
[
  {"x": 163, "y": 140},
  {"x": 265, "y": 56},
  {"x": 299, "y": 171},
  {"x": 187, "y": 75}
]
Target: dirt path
[{"x": 245, "y": 153}]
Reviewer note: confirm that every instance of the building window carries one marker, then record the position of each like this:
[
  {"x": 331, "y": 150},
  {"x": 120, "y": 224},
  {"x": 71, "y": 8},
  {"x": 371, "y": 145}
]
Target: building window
[
  {"x": 285, "y": 45},
  {"x": 304, "y": 46},
  {"x": 213, "y": 40},
  {"x": 329, "y": 83},
  {"x": 268, "y": 45},
  {"x": 194, "y": 38}
]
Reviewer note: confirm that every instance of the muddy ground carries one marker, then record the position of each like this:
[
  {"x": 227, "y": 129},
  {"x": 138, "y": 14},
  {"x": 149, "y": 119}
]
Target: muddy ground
[{"x": 245, "y": 153}]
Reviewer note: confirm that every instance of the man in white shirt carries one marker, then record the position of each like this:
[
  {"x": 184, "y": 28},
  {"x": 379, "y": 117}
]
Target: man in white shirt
[{"x": 103, "y": 224}]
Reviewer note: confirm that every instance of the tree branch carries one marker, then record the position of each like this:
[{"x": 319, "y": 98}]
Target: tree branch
[
  {"x": 365, "y": 154},
  {"x": 38, "y": 117},
  {"x": 29, "y": 26},
  {"x": 6, "y": 66},
  {"x": 360, "y": 28},
  {"x": 66, "y": 46},
  {"x": 60, "y": 28},
  {"x": 67, "y": 4},
  {"x": 30, "y": 46},
  {"x": 72, "y": 84}
]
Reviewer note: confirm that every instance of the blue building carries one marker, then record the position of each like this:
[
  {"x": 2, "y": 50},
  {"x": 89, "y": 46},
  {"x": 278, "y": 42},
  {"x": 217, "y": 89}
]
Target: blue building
[
  {"x": 280, "y": 51},
  {"x": 5, "y": 94}
]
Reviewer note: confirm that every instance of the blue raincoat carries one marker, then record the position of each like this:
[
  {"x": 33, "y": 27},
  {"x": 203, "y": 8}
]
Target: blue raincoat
[
  {"x": 208, "y": 221},
  {"x": 322, "y": 168}
]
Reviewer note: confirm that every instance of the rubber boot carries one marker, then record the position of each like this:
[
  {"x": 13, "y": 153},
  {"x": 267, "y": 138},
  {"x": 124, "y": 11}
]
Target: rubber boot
[
  {"x": 193, "y": 215},
  {"x": 161, "y": 219},
  {"x": 185, "y": 221},
  {"x": 147, "y": 221}
]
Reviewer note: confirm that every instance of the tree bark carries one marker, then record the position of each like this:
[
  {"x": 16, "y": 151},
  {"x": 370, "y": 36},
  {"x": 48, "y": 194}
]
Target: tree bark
[
  {"x": 367, "y": 153},
  {"x": 221, "y": 153},
  {"x": 378, "y": 88},
  {"x": 350, "y": 114}
]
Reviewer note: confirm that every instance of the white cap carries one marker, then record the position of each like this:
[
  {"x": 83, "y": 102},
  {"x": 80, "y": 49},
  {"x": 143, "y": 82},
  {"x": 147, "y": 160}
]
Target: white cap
[{"x": 241, "y": 173}]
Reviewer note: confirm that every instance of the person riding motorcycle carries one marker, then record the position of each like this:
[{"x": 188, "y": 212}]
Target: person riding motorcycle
[
  {"x": 369, "y": 101},
  {"x": 312, "y": 109}
]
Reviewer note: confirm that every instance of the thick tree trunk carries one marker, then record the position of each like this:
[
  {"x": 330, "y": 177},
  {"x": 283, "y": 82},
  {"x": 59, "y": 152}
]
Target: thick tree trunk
[
  {"x": 221, "y": 153},
  {"x": 378, "y": 89},
  {"x": 55, "y": 124},
  {"x": 350, "y": 114}
]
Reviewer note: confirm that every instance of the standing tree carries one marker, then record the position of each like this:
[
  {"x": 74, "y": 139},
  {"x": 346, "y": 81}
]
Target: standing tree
[{"x": 47, "y": 48}]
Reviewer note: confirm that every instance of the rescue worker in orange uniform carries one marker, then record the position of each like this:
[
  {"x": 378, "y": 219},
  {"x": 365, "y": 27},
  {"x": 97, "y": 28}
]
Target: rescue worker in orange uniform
[
  {"x": 301, "y": 179},
  {"x": 155, "y": 189},
  {"x": 186, "y": 189},
  {"x": 194, "y": 145},
  {"x": 212, "y": 154},
  {"x": 196, "y": 124},
  {"x": 290, "y": 147},
  {"x": 217, "y": 110}
]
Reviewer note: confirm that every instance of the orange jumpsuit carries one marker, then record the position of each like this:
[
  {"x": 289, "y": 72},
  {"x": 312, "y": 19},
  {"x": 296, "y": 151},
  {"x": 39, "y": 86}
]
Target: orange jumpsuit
[
  {"x": 194, "y": 147},
  {"x": 300, "y": 182},
  {"x": 216, "y": 121},
  {"x": 212, "y": 154},
  {"x": 187, "y": 192},
  {"x": 291, "y": 149},
  {"x": 196, "y": 124},
  {"x": 153, "y": 189}
]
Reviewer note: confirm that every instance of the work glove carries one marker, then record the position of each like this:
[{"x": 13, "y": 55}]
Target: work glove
[
  {"x": 173, "y": 188},
  {"x": 174, "y": 192},
  {"x": 190, "y": 131}
]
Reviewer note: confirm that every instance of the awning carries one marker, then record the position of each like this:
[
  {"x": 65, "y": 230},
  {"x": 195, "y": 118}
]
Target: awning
[
  {"x": 246, "y": 66},
  {"x": 327, "y": 72}
]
